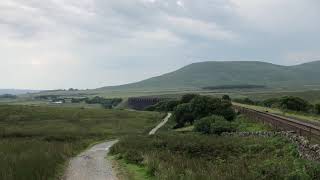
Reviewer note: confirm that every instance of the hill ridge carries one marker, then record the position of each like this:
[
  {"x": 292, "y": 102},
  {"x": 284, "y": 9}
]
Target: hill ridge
[{"x": 216, "y": 73}]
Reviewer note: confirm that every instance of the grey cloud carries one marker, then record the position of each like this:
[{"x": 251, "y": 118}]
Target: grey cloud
[{"x": 119, "y": 41}]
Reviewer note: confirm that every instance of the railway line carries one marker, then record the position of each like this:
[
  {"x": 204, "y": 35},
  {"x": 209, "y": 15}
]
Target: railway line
[{"x": 311, "y": 131}]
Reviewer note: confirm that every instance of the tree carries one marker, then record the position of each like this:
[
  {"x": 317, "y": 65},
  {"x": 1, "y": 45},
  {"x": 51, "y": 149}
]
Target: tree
[
  {"x": 203, "y": 106},
  {"x": 294, "y": 104},
  {"x": 213, "y": 125},
  {"x": 188, "y": 97},
  {"x": 317, "y": 107},
  {"x": 167, "y": 105},
  {"x": 245, "y": 101},
  {"x": 272, "y": 102},
  {"x": 183, "y": 115},
  {"x": 204, "y": 125},
  {"x": 226, "y": 97}
]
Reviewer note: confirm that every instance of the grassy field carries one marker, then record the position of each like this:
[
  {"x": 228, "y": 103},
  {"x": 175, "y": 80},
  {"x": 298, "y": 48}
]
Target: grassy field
[
  {"x": 192, "y": 156},
  {"x": 184, "y": 154},
  {"x": 36, "y": 142}
]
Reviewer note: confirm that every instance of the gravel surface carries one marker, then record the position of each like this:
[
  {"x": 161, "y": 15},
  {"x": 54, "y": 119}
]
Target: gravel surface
[
  {"x": 165, "y": 120},
  {"x": 92, "y": 164}
]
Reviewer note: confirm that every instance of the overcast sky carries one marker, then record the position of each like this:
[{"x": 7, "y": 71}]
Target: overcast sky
[{"x": 49, "y": 44}]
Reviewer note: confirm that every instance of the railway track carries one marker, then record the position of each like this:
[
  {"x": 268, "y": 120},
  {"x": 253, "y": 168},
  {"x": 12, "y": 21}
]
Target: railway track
[{"x": 311, "y": 131}]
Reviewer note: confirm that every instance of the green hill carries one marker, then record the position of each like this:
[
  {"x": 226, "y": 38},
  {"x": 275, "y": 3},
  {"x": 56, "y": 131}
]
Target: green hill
[{"x": 199, "y": 75}]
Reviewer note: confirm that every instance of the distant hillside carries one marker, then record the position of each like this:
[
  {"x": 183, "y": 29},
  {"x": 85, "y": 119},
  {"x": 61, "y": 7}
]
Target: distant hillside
[
  {"x": 208, "y": 74},
  {"x": 16, "y": 91}
]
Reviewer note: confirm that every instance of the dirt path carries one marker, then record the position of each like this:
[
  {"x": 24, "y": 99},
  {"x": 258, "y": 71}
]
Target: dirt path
[
  {"x": 92, "y": 164},
  {"x": 165, "y": 120}
]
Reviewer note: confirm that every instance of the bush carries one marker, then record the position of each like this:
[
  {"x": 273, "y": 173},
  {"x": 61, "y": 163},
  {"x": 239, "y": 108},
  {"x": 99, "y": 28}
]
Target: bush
[
  {"x": 226, "y": 98},
  {"x": 188, "y": 97},
  {"x": 106, "y": 103},
  {"x": 183, "y": 114},
  {"x": 228, "y": 113},
  {"x": 8, "y": 96},
  {"x": 245, "y": 101},
  {"x": 202, "y": 106},
  {"x": 272, "y": 102},
  {"x": 204, "y": 125},
  {"x": 294, "y": 104},
  {"x": 221, "y": 126},
  {"x": 189, "y": 156},
  {"x": 213, "y": 125},
  {"x": 167, "y": 105},
  {"x": 317, "y": 107}
]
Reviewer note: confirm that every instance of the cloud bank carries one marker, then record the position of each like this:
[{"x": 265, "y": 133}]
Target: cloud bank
[{"x": 92, "y": 43}]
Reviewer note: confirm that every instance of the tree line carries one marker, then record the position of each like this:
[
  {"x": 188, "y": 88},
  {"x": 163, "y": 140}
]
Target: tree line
[
  {"x": 284, "y": 103},
  {"x": 207, "y": 114}
]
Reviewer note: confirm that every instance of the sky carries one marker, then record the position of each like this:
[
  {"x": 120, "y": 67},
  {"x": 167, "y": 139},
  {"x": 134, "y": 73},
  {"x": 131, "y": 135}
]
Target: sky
[{"x": 84, "y": 44}]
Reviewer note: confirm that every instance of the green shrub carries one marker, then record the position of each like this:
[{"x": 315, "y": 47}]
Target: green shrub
[
  {"x": 199, "y": 107},
  {"x": 183, "y": 114},
  {"x": 164, "y": 106},
  {"x": 226, "y": 97},
  {"x": 221, "y": 126},
  {"x": 203, "y": 106},
  {"x": 245, "y": 101},
  {"x": 226, "y": 111},
  {"x": 204, "y": 125},
  {"x": 188, "y": 97},
  {"x": 191, "y": 156},
  {"x": 317, "y": 107},
  {"x": 294, "y": 104},
  {"x": 213, "y": 125},
  {"x": 272, "y": 102}
]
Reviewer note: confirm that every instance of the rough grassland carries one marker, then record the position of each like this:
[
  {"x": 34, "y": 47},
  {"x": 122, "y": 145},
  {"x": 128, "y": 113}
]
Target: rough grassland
[
  {"x": 36, "y": 142},
  {"x": 192, "y": 156}
]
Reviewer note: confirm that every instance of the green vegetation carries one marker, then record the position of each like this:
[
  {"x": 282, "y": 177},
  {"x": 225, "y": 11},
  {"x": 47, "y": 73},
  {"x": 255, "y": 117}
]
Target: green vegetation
[
  {"x": 244, "y": 124},
  {"x": 313, "y": 118},
  {"x": 37, "y": 141},
  {"x": 191, "y": 156},
  {"x": 288, "y": 105},
  {"x": 106, "y": 103},
  {"x": 213, "y": 125},
  {"x": 164, "y": 106},
  {"x": 294, "y": 104},
  {"x": 310, "y": 96},
  {"x": 192, "y": 107},
  {"x": 128, "y": 171},
  {"x": 8, "y": 96},
  {"x": 217, "y": 125},
  {"x": 317, "y": 107},
  {"x": 200, "y": 151}
]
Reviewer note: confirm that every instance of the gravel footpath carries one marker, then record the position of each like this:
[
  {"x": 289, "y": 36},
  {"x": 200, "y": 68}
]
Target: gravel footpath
[
  {"x": 92, "y": 164},
  {"x": 165, "y": 120}
]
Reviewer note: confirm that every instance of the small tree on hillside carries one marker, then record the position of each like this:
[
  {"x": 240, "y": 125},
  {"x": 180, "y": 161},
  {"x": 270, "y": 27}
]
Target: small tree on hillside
[
  {"x": 213, "y": 125},
  {"x": 317, "y": 107},
  {"x": 226, "y": 97},
  {"x": 183, "y": 115},
  {"x": 188, "y": 97},
  {"x": 294, "y": 104}
]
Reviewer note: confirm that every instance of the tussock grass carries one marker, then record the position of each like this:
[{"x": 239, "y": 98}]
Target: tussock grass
[
  {"x": 36, "y": 142},
  {"x": 191, "y": 156}
]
